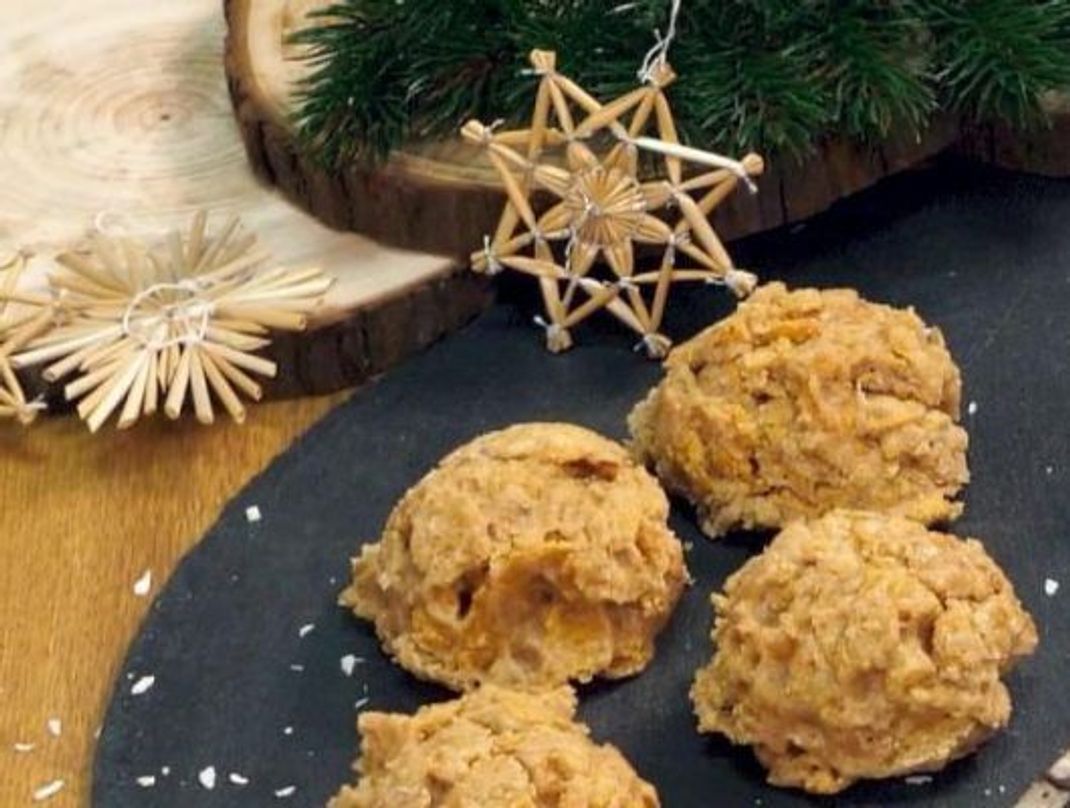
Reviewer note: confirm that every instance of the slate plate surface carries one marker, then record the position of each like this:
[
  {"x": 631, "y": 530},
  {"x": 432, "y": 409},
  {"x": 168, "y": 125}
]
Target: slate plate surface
[{"x": 984, "y": 255}]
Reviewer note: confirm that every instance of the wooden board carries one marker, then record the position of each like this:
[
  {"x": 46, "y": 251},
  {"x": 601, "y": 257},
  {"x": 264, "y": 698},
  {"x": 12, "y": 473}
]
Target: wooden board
[
  {"x": 443, "y": 196},
  {"x": 121, "y": 106},
  {"x": 233, "y": 671},
  {"x": 77, "y": 529}
]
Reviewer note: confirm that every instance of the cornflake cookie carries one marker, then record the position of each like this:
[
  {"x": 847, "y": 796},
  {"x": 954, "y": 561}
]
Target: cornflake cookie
[
  {"x": 803, "y": 401},
  {"x": 532, "y": 556},
  {"x": 859, "y": 646},
  {"x": 493, "y": 748}
]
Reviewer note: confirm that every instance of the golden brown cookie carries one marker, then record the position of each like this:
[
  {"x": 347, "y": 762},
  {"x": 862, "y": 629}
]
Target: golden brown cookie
[
  {"x": 493, "y": 748},
  {"x": 532, "y": 556},
  {"x": 861, "y": 645},
  {"x": 803, "y": 401}
]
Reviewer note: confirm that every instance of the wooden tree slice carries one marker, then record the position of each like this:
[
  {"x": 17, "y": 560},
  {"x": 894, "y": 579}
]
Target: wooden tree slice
[
  {"x": 121, "y": 107},
  {"x": 443, "y": 196}
]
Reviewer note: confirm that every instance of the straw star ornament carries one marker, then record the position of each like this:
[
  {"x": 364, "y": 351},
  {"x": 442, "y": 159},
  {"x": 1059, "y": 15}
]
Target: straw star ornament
[
  {"x": 602, "y": 209},
  {"x": 143, "y": 329},
  {"x": 13, "y": 403}
]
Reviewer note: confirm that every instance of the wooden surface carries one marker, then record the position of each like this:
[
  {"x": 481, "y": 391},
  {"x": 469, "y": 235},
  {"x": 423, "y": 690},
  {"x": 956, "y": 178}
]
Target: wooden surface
[
  {"x": 121, "y": 107},
  {"x": 443, "y": 196},
  {"x": 81, "y": 518}
]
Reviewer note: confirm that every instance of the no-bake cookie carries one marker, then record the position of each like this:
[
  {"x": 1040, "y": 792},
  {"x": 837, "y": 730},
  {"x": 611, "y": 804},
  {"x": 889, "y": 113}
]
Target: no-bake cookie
[
  {"x": 803, "y": 401},
  {"x": 531, "y": 556}
]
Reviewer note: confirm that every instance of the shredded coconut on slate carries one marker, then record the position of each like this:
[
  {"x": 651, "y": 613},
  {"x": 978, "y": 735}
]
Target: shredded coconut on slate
[
  {"x": 349, "y": 662},
  {"x": 283, "y": 793},
  {"x": 287, "y": 730},
  {"x": 306, "y": 629},
  {"x": 238, "y": 779},
  {"x": 206, "y": 777},
  {"x": 972, "y": 408},
  {"x": 252, "y": 514},
  {"x": 147, "y": 780},
  {"x": 297, "y": 668},
  {"x": 1051, "y": 587},
  {"x": 919, "y": 779},
  {"x": 55, "y": 727},
  {"x": 143, "y": 585},
  {"x": 143, "y": 685},
  {"x": 48, "y": 791},
  {"x": 359, "y": 703}
]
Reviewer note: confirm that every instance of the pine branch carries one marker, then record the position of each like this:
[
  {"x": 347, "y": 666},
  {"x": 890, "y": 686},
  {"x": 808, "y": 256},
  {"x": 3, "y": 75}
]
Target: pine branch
[{"x": 770, "y": 75}]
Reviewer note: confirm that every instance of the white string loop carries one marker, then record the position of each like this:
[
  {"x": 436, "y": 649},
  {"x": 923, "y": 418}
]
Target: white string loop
[
  {"x": 494, "y": 266},
  {"x": 658, "y": 55},
  {"x": 185, "y": 322}
]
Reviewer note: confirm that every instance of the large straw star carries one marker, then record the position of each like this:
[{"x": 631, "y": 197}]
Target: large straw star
[{"x": 602, "y": 210}]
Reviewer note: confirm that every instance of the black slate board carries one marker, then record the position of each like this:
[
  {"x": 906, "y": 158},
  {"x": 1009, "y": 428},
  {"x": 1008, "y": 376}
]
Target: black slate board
[{"x": 984, "y": 255}]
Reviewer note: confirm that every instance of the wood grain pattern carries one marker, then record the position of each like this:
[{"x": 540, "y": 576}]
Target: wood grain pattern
[
  {"x": 122, "y": 107},
  {"x": 81, "y": 518}
]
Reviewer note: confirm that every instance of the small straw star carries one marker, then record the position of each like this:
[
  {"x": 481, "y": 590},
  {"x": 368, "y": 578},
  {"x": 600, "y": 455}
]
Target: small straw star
[{"x": 134, "y": 329}]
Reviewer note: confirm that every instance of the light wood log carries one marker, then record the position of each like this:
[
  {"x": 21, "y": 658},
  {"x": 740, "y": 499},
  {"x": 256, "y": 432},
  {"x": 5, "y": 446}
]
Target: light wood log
[{"x": 121, "y": 107}]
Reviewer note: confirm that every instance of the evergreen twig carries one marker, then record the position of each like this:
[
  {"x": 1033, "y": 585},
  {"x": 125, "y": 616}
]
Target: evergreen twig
[{"x": 767, "y": 75}]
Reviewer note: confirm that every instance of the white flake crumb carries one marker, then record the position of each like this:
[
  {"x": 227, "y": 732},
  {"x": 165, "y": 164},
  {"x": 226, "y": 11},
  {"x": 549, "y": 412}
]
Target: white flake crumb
[
  {"x": 1059, "y": 773},
  {"x": 283, "y": 793},
  {"x": 165, "y": 770},
  {"x": 238, "y": 779},
  {"x": 142, "y": 685},
  {"x": 143, "y": 585},
  {"x": 1051, "y": 587},
  {"x": 297, "y": 668},
  {"x": 306, "y": 629},
  {"x": 988, "y": 792},
  {"x": 919, "y": 780},
  {"x": 359, "y": 703},
  {"x": 206, "y": 777},
  {"x": 48, "y": 791},
  {"x": 287, "y": 730},
  {"x": 1002, "y": 789},
  {"x": 1049, "y": 470},
  {"x": 96, "y": 733},
  {"x": 971, "y": 408},
  {"x": 252, "y": 514},
  {"x": 147, "y": 780},
  {"x": 24, "y": 747},
  {"x": 349, "y": 663},
  {"x": 55, "y": 727},
  {"x": 689, "y": 546}
]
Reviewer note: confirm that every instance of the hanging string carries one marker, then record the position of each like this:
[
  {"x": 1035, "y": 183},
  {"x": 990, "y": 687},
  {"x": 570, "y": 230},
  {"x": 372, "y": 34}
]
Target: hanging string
[
  {"x": 184, "y": 322},
  {"x": 658, "y": 55}
]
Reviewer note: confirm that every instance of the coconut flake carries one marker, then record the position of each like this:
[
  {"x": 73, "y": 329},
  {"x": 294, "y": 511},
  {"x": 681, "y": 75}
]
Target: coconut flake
[
  {"x": 306, "y": 629},
  {"x": 143, "y": 585},
  {"x": 238, "y": 779},
  {"x": 297, "y": 668},
  {"x": 55, "y": 727},
  {"x": 919, "y": 779},
  {"x": 147, "y": 780},
  {"x": 360, "y": 703},
  {"x": 24, "y": 747},
  {"x": 165, "y": 770},
  {"x": 142, "y": 685},
  {"x": 206, "y": 776},
  {"x": 287, "y": 730},
  {"x": 349, "y": 663},
  {"x": 48, "y": 791},
  {"x": 1051, "y": 587},
  {"x": 283, "y": 793},
  {"x": 972, "y": 408},
  {"x": 252, "y": 514}
]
